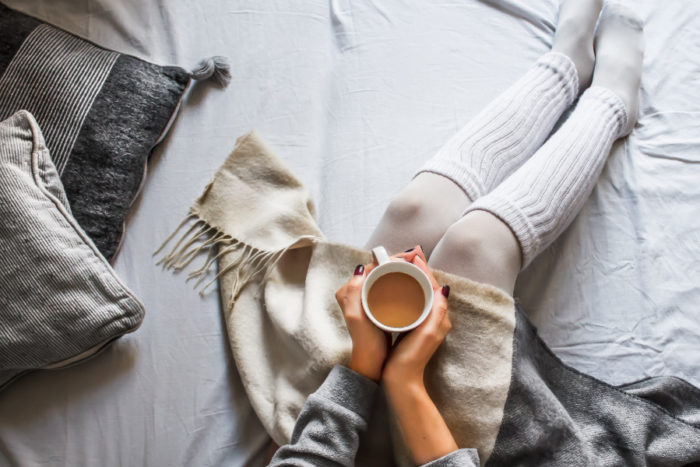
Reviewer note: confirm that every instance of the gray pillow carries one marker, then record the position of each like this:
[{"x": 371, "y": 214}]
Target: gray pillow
[
  {"x": 101, "y": 112},
  {"x": 60, "y": 300}
]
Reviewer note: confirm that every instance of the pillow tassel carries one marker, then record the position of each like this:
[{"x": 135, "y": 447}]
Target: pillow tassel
[{"x": 215, "y": 68}]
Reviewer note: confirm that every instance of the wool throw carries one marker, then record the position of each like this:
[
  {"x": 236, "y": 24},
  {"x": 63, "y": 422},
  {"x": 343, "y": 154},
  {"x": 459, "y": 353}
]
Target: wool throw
[
  {"x": 498, "y": 386},
  {"x": 60, "y": 300}
]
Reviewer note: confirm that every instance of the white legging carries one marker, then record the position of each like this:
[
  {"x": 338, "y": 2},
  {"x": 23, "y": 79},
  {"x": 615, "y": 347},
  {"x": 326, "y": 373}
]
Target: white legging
[{"x": 500, "y": 164}]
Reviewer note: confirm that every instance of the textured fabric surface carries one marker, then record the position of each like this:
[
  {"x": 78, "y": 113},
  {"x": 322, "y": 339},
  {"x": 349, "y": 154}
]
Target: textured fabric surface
[
  {"x": 462, "y": 457},
  {"x": 326, "y": 431},
  {"x": 356, "y": 96},
  {"x": 59, "y": 297},
  {"x": 107, "y": 165},
  {"x": 541, "y": 198},
  {"x": 15, "y": 29},
  {"x": 675, "y": 395},
  {"x": 567, "y": 418},
  {"x": 101, "y": 113},
  {"x": 499, "y": 388},
  {"x": 58, "y": 75},
  {"x": 510, "y": 129}
]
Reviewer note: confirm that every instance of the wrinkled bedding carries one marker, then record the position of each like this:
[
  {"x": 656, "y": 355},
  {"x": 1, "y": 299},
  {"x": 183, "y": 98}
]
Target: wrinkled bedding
[{"x": 354, "y": 96}]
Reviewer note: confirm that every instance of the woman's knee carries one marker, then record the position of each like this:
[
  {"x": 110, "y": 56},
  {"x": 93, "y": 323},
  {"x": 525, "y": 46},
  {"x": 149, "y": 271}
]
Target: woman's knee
[
  {"x": 480, "y": 247},
  {"x": 420, "y": 214},
  {"x": 410, "y": 219},
  {"x": 407, "y": 206},
  {"x": 431, "y": 198},
  {"x": 461, "y": 241}
]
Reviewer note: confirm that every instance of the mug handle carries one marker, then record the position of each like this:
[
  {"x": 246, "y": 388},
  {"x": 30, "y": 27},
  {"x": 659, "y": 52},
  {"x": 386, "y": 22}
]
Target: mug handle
[{"x": 380, "y": 255}]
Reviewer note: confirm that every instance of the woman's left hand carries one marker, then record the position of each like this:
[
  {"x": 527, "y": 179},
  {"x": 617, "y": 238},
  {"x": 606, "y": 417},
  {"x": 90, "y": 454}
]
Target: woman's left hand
[{"x": 370, "y": 345}]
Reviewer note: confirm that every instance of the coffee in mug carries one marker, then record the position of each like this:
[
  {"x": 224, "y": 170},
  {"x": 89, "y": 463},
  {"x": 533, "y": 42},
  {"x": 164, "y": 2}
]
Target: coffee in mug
[
  {"x": 396, "y": 299},
  {"x": 397, "y": 296}
]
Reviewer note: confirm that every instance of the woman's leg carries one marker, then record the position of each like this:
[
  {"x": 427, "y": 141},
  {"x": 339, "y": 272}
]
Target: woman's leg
[
  {"x": 504, "y": 230},
  {"x": 497, "y": 141},
  {"x": 480, "y": 247},
  {"x": 420, "y": 214}
]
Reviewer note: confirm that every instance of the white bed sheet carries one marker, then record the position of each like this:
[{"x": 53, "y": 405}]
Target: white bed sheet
[{"x": 354, "y": 96}]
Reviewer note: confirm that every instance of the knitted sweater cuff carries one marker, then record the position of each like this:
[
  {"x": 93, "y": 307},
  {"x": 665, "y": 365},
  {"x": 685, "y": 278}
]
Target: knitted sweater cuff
[{"x": 350, "y": 390}]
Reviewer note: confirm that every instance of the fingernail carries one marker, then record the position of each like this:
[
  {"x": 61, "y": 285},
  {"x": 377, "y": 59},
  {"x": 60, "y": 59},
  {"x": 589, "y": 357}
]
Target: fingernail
[
  {"x": 359, "y": 270},
  {"x": 446, "y": 290},
  {"x": 421, "y": 248},
  {"x": 409, "y": 250}
]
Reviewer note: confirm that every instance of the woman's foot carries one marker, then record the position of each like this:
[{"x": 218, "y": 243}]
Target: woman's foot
[
  {"x": 619, "y": 48},
  {"x": 574, "y": 35}
]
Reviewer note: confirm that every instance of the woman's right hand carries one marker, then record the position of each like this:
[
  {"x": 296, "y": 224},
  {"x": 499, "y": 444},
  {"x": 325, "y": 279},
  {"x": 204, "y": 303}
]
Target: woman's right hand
[
  {"x": 427, "y": 435},
  {"x": 412, "y": 351}
]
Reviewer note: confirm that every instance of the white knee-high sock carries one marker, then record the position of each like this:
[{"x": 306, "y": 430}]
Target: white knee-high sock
[
  {"x": 542, "y": 197},
  {"x": 510, "y": 129}
]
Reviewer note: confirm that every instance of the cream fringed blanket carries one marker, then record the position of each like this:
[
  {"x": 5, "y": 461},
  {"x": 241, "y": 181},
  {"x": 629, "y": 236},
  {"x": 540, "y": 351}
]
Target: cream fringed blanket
[{"x": 497, "y": 385}]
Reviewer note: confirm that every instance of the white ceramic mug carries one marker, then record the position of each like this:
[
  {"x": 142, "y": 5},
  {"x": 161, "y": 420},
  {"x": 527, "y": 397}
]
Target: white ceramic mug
[{"x": 387, "y": 265}]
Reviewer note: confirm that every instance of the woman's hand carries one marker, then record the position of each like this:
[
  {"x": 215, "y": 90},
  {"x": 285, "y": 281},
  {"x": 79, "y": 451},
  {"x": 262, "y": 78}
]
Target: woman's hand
[
  {"x": 427, "y": 435},
  {"x": 412, "y": 351},
  {"x": 416, "y": 257},
  {"x": 370, "y": 344}
]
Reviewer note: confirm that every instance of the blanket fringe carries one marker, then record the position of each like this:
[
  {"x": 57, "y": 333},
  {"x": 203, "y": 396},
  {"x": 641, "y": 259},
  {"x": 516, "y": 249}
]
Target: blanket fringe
[{"x": 199, "y": 238}]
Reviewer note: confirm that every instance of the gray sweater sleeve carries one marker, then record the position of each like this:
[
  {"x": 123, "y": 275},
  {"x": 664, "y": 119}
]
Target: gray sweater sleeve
[
  {"x": 327, "y": 431},
  {"x": 328, "y": 428}
]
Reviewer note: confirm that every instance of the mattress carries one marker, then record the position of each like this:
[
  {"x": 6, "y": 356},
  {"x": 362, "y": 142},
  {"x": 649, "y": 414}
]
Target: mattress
[{"x": 354, "y": 96}]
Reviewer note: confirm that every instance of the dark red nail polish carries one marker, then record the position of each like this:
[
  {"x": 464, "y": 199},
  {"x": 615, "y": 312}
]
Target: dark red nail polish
[
  {"x": 359, "y": 270},
  {"x": 421, "y": 248},
  {"x": 446, "y": 291},
  {"x": 409, "y": 250}
]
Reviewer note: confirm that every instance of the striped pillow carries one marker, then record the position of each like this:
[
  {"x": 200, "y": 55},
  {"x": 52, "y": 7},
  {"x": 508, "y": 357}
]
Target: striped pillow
[
  {"x": 101, "y": 113},
  {"x": 60, "y": 300}
]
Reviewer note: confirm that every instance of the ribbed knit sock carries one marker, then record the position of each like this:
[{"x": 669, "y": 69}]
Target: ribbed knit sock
[
  {"x": 510, "y": 129},
  {"x": 541, "y": 198}
]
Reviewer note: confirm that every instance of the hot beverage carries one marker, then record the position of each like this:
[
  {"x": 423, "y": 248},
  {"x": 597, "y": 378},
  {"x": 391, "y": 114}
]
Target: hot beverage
[{"x": 396, "y": 299}]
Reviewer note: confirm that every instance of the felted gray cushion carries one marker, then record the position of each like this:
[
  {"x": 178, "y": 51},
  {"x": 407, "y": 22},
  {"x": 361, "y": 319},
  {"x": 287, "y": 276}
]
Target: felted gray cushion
[
  {"x": 101, "y": 112},
  {"x": 60, "y": 300}
]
